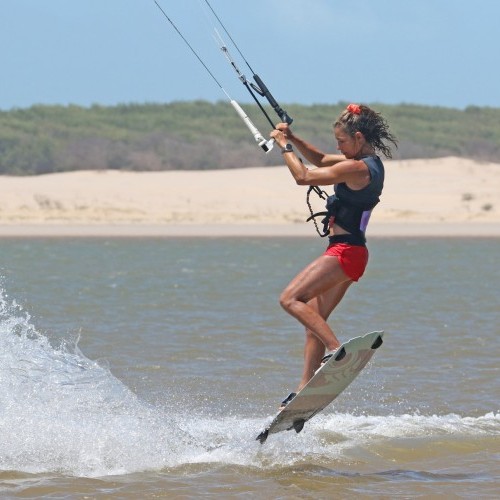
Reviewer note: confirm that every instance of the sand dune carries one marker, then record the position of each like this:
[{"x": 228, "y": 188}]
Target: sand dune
[{"x": 439, "y": 196}]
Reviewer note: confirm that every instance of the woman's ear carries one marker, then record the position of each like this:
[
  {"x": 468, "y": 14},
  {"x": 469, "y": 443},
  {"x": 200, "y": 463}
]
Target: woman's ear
[{"x": 359, "y": 136}]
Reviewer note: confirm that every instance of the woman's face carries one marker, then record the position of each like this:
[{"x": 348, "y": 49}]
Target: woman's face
[{"x": 350, "y": 146}]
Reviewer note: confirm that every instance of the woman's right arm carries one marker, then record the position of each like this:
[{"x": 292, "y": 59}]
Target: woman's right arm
[{"x": 311, "y": 153}]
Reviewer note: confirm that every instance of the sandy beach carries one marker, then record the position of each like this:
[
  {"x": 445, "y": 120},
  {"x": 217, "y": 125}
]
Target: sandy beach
[{"x": 438, "y": 197}]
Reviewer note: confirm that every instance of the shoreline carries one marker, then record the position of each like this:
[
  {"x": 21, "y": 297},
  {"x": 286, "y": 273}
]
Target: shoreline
[{"x": 376, "y": 230}]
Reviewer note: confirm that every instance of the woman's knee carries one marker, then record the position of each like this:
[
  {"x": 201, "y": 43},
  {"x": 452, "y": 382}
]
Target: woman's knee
[{"x": 285, "y": 300}]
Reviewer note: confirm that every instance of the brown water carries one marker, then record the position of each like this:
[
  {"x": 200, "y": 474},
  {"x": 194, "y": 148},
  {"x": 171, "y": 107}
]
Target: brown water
[{"x": 145, "y": 368}]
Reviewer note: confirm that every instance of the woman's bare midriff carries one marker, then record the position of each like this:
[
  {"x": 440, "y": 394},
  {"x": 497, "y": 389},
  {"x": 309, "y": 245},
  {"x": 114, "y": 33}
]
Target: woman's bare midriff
[{"x": 337, "y": 230}]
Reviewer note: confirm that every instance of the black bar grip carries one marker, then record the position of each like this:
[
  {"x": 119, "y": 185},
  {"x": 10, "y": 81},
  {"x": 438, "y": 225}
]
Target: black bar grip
[{"x": 272, "y": 101}]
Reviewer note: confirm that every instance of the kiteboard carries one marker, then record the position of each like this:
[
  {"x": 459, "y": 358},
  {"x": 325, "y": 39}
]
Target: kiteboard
[{"x": 326, "y": 384}]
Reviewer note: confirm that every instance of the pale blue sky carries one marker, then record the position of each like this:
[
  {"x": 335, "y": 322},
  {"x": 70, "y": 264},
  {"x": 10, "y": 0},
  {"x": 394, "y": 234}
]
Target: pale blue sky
[{"x": 431, "y": 52}]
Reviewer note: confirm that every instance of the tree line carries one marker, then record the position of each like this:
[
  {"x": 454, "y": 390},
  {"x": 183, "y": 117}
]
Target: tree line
[{"x": 200, "y": 135}]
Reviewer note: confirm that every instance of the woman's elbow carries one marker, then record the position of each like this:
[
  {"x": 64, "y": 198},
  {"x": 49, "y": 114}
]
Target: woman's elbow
[{"x": 301, "y": 181}]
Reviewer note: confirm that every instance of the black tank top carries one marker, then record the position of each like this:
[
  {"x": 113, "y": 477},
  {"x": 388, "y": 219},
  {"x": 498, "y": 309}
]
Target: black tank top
[{"x": 353, "y": 208}]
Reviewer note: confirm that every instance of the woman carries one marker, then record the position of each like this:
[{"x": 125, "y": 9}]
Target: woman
[{"x": 357, "y": 175}]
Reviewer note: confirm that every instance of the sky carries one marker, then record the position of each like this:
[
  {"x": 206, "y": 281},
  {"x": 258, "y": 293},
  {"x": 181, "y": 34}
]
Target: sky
[{"x": 108, "y": 52}]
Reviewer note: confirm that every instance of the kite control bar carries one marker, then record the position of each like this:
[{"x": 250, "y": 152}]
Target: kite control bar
[
  {"x": 261, "y": 89},
  {"x": 259, "y": 86},
  {"x": 266, "y": 145}
]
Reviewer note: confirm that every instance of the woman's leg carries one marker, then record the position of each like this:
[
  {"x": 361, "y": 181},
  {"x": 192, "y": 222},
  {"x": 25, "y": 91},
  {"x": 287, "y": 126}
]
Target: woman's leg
[
  {"x": 323, "y": 277},
  {"x": 314, "y": 349}
]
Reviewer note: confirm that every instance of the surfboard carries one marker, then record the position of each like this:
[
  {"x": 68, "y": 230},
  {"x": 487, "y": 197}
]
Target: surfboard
[{"x": 326, "y": 384}]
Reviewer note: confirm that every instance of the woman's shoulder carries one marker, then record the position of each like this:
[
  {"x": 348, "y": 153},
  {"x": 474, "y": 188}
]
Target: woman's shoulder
[{"x": 375, "y": 166}]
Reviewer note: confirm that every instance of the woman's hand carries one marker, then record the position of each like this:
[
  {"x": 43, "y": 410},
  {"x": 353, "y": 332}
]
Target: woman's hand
[
  {"x": 282, "y": 134},
  {"x": 279, "y": 137},
  {"x": 285, "y": 128}
]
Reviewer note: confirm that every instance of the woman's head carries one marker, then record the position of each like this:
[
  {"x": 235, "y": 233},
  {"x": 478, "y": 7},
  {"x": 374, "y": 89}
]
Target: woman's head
[{"x": 358, "y": 118}]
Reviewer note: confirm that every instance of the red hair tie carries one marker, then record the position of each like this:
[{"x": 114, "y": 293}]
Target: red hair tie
[{"x": 355, "y": 109}]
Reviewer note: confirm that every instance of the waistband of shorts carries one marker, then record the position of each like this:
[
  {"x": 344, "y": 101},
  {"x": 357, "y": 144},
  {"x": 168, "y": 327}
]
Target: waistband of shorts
[{"x": 351, "y": 239}]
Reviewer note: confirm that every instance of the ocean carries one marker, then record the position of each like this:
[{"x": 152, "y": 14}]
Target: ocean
[{"x": 146, "y": 367}]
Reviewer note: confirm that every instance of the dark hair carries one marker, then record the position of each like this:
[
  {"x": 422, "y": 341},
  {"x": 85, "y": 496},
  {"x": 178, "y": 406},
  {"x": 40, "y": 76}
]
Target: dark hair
[{"x": 375, "y": 129}]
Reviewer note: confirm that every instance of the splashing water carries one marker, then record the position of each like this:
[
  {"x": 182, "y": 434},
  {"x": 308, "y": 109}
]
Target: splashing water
[{"x": 60, "y": 411}]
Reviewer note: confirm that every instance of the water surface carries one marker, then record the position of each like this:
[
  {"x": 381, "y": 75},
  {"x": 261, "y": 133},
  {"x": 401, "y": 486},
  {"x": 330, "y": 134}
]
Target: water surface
[{"x": 146, "y": 368}]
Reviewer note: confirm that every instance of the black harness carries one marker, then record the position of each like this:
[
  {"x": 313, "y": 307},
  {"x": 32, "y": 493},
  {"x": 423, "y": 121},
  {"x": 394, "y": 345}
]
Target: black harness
[
  {"x": 346, "y": 215},
  {"x": 346, "y": 208}
]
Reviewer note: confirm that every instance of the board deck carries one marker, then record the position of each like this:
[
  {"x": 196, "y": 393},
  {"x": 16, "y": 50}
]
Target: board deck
[{"x": 326, "y": 384}]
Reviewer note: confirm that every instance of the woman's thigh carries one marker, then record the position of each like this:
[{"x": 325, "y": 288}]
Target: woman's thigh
[{"x": 325, "y": 278}]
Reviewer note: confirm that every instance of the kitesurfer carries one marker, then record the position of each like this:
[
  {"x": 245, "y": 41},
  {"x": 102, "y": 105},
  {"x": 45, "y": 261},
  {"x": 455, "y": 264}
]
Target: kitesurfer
[{"x": 357, "y": 175}]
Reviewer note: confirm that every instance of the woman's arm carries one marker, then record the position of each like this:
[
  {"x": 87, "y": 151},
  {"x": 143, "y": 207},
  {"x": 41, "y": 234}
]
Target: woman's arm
[
  {"x": 312, "y": 153},
  {"x": 349, "y": 171}
]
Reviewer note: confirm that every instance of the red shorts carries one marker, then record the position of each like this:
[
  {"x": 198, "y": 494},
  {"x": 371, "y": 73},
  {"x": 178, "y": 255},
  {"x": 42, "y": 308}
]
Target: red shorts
[{"x": 352, "y": 258}]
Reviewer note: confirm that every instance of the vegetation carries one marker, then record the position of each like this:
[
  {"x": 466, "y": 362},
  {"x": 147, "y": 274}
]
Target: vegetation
[{"x": 202, "y": 135}]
